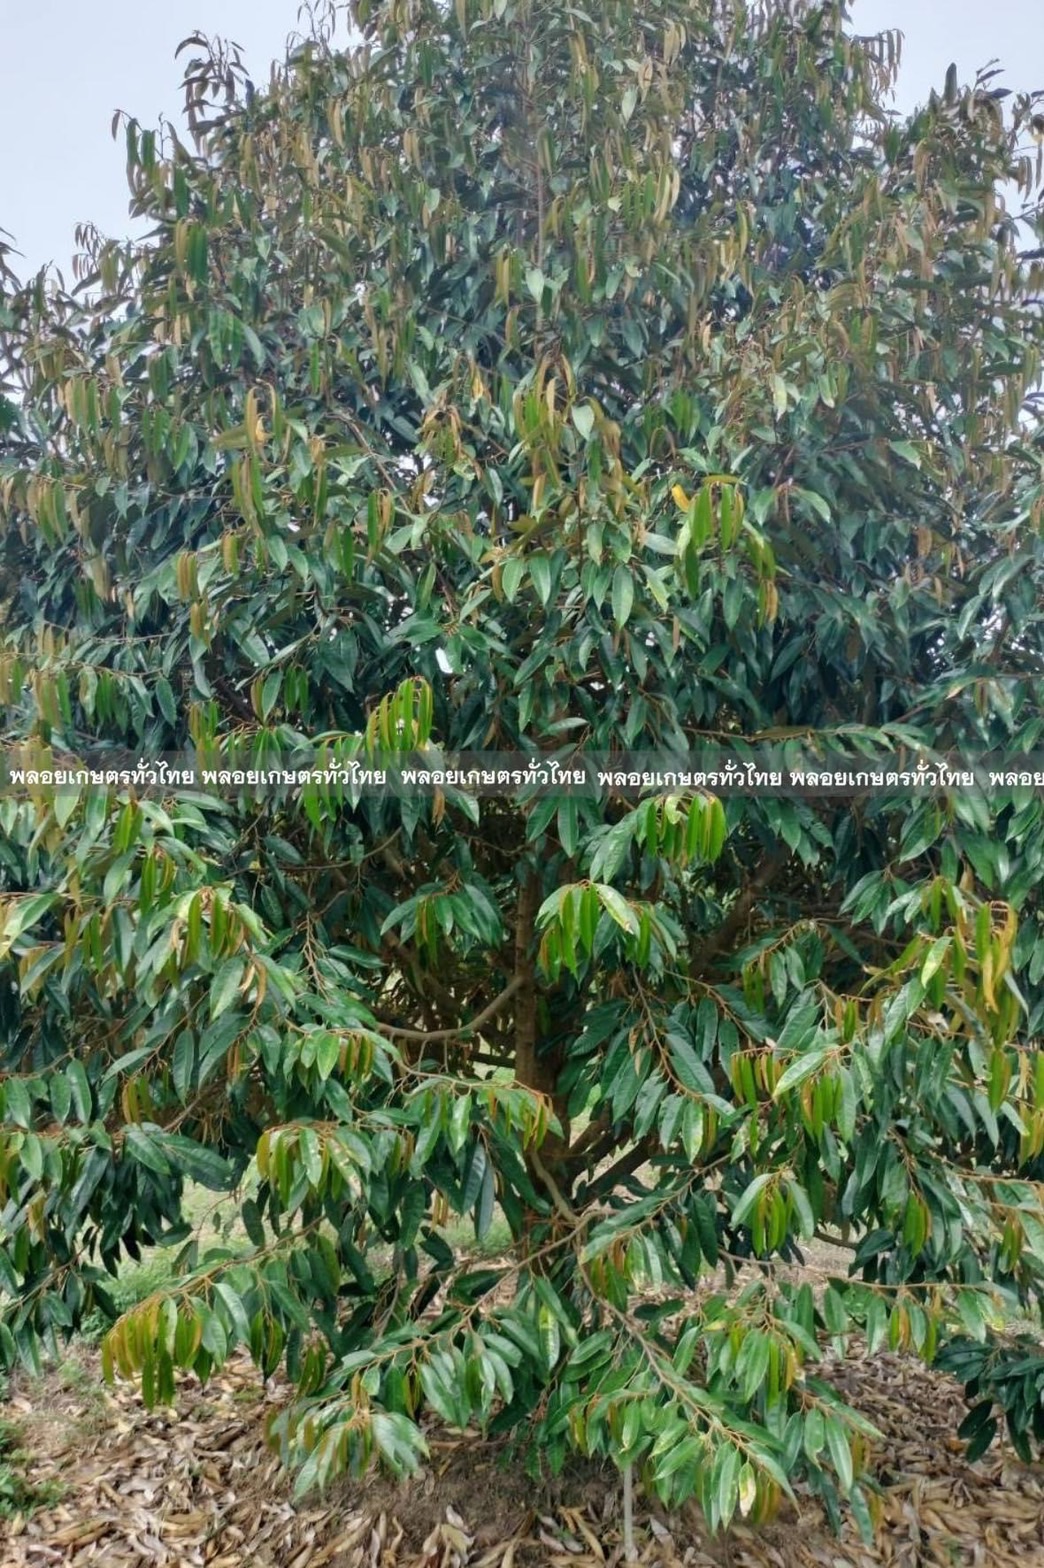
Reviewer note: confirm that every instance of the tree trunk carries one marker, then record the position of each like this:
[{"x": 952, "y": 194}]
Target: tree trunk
[{"x": 535, "y": 1068}]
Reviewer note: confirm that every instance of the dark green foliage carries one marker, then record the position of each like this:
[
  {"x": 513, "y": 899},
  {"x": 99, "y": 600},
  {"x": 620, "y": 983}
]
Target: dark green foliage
[
  {"x": 1007, "y": 1375},
  {"x": 526, "y": 380}
]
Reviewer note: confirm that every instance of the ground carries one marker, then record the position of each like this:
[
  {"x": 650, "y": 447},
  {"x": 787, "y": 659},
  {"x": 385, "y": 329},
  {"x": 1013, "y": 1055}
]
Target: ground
[
  {"x": 115, "y": 1486},
  {"x": 196, "y": 1488}
]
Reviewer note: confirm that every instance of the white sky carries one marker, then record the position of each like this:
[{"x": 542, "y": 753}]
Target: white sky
[{"x": 67, "y": 65}]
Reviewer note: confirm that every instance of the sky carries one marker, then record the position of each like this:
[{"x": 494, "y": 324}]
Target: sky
[{"x": 66, "y": 66}]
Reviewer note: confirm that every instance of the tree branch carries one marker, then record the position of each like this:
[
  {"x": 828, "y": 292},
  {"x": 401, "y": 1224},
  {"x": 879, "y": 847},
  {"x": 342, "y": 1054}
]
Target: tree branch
[
  {"x": 587, "y": 1145},
  {"x": 701, "y": 960},
  {"x": 424, "y": 985},
  {"x": 459, "y": 1030},
  {"x": 626, "y": 1165},
  {"x": 527, "y": 1065},
  {"x": 835, "y": 1241}
]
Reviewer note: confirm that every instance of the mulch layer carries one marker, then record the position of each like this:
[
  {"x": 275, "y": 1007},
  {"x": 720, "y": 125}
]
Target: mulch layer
[{"x": 197, "y": 1488}]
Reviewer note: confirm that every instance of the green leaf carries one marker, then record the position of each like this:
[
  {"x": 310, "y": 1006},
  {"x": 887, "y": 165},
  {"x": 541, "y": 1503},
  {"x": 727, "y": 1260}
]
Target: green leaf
[
  {"x": 17, "y": 1104},
  {"x": 225, "y": 986},
  {"x": 270, "y": 692},
  {"x": 744, "y": 1206},
  {"x": 568, "y": 827},
  {"x": 540, "y": 574},
  {"x": 184, "y": 1065},
  {"x": 165, "y": 699},
  {"x": 327, "y": 1053},
  {"x": 196, "y": 1161},
  {"x": 679, "y": 1456},
  {"x": 583, "y": 417},
  {"x": 22, "y": 913},
  {"x": 840, "y": 1453},
  {"x": 550, "y": 1336},
  {"x": 476, "y": 1172},
  {"x": 617, "y": 908},
  {"x": 81, "y": 1090},
  {"x": 934, "y": 958},
  {"x": 536, "y": 283},
  {"x": 145, "y": 1150},
  {"x": 981, "y": 1441},
  {"x": 250, "y": 1214},
  {"x": 486, "y": 1203},
  {"x": 623, "y": 595},
  {"x": 803, "y": 1209},
  {"x": 311, "y": 1157},
  {"x": 612, "y": 847},
  {"x": 691, "y": 1072},
  {"x": 817, "y": 502},
  {"x": 233, "y": 1305},
  {"x": 800, "y": 1068},
  {"x": 511, "y": 577}
]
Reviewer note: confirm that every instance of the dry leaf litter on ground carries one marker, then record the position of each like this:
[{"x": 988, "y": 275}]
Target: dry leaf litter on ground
[{"x": 197, "y": 1488}]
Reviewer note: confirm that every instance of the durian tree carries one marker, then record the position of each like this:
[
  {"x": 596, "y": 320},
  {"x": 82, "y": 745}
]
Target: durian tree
[{"x": 522, "y": 379}]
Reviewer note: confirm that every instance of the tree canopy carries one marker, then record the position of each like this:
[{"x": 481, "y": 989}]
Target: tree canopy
[{"x": 534, "y": 381}]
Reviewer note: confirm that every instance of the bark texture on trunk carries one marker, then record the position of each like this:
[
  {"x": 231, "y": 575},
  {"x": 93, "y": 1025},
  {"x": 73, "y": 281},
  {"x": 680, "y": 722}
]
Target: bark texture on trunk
[{"x": 535, "y": 1068}]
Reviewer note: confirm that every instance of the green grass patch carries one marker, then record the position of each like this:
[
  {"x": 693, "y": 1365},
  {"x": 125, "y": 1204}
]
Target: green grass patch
[{"x": 18, "y": 1494}]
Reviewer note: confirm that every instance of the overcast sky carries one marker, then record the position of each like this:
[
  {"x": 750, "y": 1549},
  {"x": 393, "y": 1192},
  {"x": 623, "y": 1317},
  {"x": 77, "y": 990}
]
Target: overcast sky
[{"x": 67, "y": 65}]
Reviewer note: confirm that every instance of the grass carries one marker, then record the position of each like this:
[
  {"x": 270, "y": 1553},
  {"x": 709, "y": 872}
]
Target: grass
[{"x": 18, "y": 1495}]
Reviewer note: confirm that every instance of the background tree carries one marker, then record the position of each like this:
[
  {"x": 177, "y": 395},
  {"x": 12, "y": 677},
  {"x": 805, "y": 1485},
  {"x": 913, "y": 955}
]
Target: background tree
[{"x": 522, "y": 380}]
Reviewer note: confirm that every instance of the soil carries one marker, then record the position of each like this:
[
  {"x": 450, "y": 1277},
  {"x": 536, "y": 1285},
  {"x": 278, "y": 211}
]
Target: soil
[{"x": 197, "y": 1488}]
